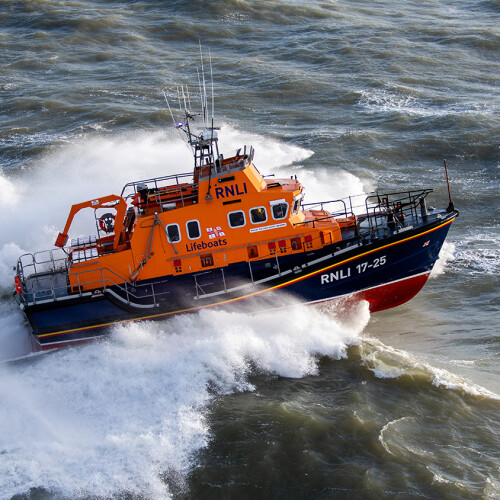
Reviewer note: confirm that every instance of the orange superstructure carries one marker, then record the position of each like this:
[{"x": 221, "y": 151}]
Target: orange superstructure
[{"x": 231, "y": 214}]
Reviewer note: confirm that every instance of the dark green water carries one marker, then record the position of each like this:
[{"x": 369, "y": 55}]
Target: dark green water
[{"x": 306, "y": 403}]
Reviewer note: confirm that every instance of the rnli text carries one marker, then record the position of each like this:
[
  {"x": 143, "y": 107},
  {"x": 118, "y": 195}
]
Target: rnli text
[{"x": 231, "y": 190}]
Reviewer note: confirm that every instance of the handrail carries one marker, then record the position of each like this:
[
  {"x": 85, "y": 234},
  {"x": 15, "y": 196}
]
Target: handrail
[
  {"x": 39, "y": 265},
  {"x": 156, "y": 180},
  {"x": 380, "y": 209},
  {"x": 364, "y": 199}
]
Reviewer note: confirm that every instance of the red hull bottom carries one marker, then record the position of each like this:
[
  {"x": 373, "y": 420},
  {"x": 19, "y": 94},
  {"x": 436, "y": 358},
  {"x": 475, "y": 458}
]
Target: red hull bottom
[{"x": 392, "y": 294}]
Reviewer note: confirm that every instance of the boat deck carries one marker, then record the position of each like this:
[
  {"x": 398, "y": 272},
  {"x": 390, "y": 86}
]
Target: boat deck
[{"x": 47, "y": 286}]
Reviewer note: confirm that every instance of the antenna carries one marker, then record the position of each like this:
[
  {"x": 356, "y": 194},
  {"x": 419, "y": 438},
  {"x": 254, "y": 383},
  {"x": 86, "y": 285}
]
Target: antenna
[
  {"x": 179, "y": 99},
  {"x": 201, "y": 90},
  {"x": 184, "y": 99},
  {"x": 212, "y": 81},
  {"x": 204, "y": 98},
  {"x": 171, "y": 114},
  {"x": 451, "y": 207}
]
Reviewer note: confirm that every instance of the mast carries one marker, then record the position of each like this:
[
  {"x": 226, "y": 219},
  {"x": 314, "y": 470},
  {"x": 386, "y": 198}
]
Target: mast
[{"x": 204, "y": 143}]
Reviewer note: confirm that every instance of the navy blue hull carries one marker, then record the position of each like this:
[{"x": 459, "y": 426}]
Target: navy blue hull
[{"x": 385, "y": 272}]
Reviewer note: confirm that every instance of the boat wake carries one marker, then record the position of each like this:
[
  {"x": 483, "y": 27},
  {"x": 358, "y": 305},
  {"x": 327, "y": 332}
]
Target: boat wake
[{"x": 121, "y": 414}]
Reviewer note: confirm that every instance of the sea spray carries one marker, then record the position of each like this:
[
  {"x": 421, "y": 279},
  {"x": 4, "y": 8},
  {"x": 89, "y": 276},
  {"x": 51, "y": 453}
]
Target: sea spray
[
  {"x": 446, "y": 256},
  {"x": 116, "y": 415}
]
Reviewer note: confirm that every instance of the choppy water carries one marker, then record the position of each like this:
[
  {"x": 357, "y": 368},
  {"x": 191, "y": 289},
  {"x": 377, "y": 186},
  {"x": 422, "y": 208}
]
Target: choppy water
[{"x": 329, "y": 403}]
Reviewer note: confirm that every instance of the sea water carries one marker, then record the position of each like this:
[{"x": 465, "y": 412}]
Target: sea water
[{"x": 325, "y": 402}]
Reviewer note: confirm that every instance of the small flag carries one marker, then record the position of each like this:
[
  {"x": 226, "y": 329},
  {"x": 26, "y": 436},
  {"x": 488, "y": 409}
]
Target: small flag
[
  {"x": 214, "y": 233},
  {"x": 426, "y": 243}
]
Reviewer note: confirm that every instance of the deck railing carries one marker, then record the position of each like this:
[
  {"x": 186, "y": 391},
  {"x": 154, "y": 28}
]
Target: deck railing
[
  {"x": 46, "y": 261},
  {"x": 373, "y": 211}
]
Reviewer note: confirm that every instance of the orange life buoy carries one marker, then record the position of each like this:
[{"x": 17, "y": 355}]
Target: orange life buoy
[{"x": 107, "y": 222}]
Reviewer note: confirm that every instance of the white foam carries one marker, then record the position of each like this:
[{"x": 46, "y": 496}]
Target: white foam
[
  {"x": 388, "y": 362},
  {"x": 402, "y": 101},
  {"x": 15, "y": 339},
  {"x": 479, "y": 254},
  {"x": 384, "y": 429},
  {"x": 446, "y": 255},
  {"x": 115, "y": 416}
]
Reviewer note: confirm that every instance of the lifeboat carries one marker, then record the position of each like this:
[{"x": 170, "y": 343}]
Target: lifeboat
[{"x": 224, "y": 236}]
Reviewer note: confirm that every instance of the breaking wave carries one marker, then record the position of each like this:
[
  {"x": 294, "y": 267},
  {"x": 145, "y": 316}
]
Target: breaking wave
[
  {"x": 126, "y": 414},
  {"x": 388, "y": 362}
]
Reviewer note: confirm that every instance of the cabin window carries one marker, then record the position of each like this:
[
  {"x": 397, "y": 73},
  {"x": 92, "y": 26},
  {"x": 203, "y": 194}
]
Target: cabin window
[
  {"x": 236, "y": 219},
  {"x": 279, "y": 209},
  {"x": 173, "y": 233},
  {"x": 207, "y": 260},
  {"x": 258, "y": 215},
  {"x": 193, "y": 229},
  {"x": 296, "y": 203}
]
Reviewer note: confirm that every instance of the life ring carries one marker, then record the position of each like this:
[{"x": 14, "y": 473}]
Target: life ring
[
  {"x": 107, "y": 222},
  {"x": 18, "y": 285}
]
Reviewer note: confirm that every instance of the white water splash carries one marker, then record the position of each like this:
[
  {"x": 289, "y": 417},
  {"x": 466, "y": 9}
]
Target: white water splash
[
  {"x": 446, "y": 255},
  {"x": 388, "y": 362},
  {"x": 115, "y": 416}
]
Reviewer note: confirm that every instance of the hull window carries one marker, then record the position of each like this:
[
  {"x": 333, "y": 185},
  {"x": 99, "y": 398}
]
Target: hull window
[{"x": 279, "y": 210}]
